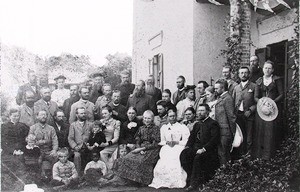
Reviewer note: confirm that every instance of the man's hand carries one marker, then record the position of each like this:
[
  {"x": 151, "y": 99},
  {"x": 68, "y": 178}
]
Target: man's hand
[
  {"x": 53, "y": 153},
  {"x": 200, "y": 151},
  {"x": 130, "y": 146},
  {"x": 115, "y": 113},
  {"x": 247, "y": 113},
  {"x": 103, "y": 144},
  {"x": 41, "y": 142},
  {"x": 137, "y": 150},
  {"x": 66, "y": 181}
]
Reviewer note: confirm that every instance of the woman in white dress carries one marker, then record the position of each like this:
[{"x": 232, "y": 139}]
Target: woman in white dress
[{"x": 168, "y": 171}]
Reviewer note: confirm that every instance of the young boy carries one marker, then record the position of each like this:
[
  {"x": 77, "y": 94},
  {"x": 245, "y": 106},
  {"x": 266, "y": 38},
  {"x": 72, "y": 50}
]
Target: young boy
[
  {"x": 95, "y": 170},
  {"x": 96, "y": 138},
  {"x": 64, "y": 172}
]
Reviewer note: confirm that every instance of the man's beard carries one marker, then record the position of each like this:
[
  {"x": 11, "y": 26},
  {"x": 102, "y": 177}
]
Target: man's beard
[
  {"x": 82, "y": 118},
  {"x": 162, "y": 114},
  {"x": 59, "y": 122},
  {"x": 180, "y": 86},
  {"x": 47, "y": 98},
  {"x": 139, "y": 92},
  {"x": 125, "y": 83},
  {"x": 116, "y": 102},
  {"x": 244, "y": 80},
  {"x": 202, "y": 117},
  {"x": 150, "y": 90},
  {"x": 30, "y": 103}
]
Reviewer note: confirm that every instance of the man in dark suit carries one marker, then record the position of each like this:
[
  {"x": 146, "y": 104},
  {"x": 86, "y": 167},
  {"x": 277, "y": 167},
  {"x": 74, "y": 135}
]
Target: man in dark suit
[
  {"x": 180, "y": 93},
  {"x": 46, "y": 104},
  {"x": 152, "y": 90},
  {"x": 74, "y": 97},
  {"x": 125, "y": 87},
  {"x": 202, "y": 85},
  {"x": 31, "y": 86},
  {"x": 226, "y": 74},
  {"x": 119, "y": 110},
  {"x": 96, "y": 90},
  {"x": 255, "y": 71},
  {"x": 224, "y": 113},
  {"x": 200, "y": 157},
  {"x": 244, "y": 96},
  {"x": 140, "y": 100},
  {"x": 61, "y": 128}
]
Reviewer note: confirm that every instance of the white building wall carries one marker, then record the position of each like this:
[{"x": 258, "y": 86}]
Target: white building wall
[
  {"x": 175, "y": 19},
  {"x": 209, "y": 40}
]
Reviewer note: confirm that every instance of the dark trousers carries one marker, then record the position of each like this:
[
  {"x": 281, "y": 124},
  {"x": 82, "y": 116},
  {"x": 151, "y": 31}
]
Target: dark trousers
[
  {"x": 247, "y": 127},
  {"x": 224, "y": 149},
  {"x": 73, "y": 183},
  {"x": 199, "y": 167}
]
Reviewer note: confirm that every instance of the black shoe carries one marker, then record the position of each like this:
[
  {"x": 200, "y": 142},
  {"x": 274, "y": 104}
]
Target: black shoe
[{"x": 190, "y": 188}]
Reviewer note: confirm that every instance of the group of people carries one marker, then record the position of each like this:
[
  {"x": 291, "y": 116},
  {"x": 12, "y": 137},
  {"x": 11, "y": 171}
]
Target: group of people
[{"x": 94, "y": 133}]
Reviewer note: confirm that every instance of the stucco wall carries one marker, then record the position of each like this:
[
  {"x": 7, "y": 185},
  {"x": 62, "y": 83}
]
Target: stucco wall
[
  {"x": 267, "y": 30},
  {"x": 209, "y": 40},
  {"x": 175, "y": 19}
]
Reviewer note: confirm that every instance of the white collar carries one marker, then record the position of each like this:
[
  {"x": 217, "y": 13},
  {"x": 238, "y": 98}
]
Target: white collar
[{"x": 244, "y": 83}]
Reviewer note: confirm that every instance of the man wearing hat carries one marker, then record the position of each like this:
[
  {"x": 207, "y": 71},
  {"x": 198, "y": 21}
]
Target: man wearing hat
[
  {"x": 162, "y": 117},
  {"x": 189, "y": 101},
  {"x": 96, "y": 91},
  {"x": 60, "y": 94},
  {"x": 244, "y": 96}
]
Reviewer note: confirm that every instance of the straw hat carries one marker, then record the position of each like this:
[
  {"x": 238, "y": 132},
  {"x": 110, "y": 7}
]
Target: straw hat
[
  {"x": 32, "y": 188},
  {"x": 267, "y": 109}
]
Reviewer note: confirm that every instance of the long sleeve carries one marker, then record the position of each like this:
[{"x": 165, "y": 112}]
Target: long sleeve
[
  {"x": 19, "y": 97},
  {"x": 72, "y": 117},
  {"x": 71, "y": 137},
  {"x": 116, "y": 132},
  {"x": 163, "y": 139},
  {"x": 256, "y": 94},
  {"x": 54, "y": 140},
  {"x": 229, "y": 109},
  {"x": 88, "y": 166},
  {"x": 55, "y": 172},
  {"x": 215, "y": 137},
  {"x": 279, "y": 86},
  {"x": 155, "y": 138},
  {"x": 185, "y": 135},
  {"x": 191, "y": 139},
  {"x": 74, "y": 172}
]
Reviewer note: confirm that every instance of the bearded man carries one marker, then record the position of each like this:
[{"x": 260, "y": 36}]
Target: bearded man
[
  {"x": 74, "y": 97},
  {"x": 26, "y": 110},
  {"x": 61, "y": 129},
  {"x": 152, "y": 90},
  {"x": 126, "y": 88},
  {"x": 98, "y": 81},
  {"x": 46, "y": 104},
  {"x": 119, "y": 110},
  {"x": 140, "y": 100}
]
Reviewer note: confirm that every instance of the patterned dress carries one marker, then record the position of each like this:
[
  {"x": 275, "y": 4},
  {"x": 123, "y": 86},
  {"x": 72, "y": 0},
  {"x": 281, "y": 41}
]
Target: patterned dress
[{"x": 138, "y": 167}]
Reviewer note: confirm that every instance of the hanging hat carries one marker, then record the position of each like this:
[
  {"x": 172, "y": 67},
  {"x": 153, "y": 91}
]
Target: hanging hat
[
  {"x": 190, "y": 87},
  {"x": 60, "y": 77},
  {"x": 267, "y": 109},
  {"x": 32, "y": 188}
]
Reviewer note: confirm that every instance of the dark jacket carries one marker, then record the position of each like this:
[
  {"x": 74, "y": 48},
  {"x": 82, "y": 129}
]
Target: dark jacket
[
  {"x": 224, "y": 113},
  {"x": 67, "y": 105},
  {"x": 254, "y": 76},
  {"x": 42, "y": 105},
  {"x": 248, "y": 94},
  {"x": 178, "y": 96},
  {"x": 13, "y": 137},
  {"x": 99, "y": 138},
  {"x": 273, "y": 91},
  {"x": 142, "y": 103},
  {"x": 62, "y": 134},
  {"x": 205, "y": 134},
  {"x": 126, "y": 90},
  {"x": 121, "y": 110},
  {"x": 126, "y": 134},
  {"x": 20, "y": 98}
]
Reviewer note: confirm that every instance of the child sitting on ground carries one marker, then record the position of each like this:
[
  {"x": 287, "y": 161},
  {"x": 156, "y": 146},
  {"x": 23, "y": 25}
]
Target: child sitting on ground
[
  {"x": 95, "y": 170},
  {"x": 96, "y": 138},
  {"x": 32, "y": 156},
  {"x": 64, "y": 172}
]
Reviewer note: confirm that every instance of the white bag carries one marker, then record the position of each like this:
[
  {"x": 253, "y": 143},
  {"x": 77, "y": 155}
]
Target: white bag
[{"x": 238, "y": 137}]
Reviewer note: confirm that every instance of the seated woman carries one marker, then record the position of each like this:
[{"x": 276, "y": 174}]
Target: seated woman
[
  {"x": 129, "y": 129},
  {"x": 111, "y": 130},
  {"x": 138, "y": 164},
  {"x": 189, "y": 118},
  {"x": 168, "y": 171}
]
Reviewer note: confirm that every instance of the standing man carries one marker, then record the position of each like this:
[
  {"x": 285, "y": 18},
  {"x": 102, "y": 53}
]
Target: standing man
[
  {"x": 119, "y": 110},
  {"x": 224, "y": 113},
  {"x": 140, "y": 100},
  {"x": 60, "y": 94},
  {"x": 74, "y": 97},
  {"x": 162, "y": 117},
  {"x": 189, "y": 101},
  {"x": 180, "y": 93},
  {"x": 255, "y": 71},
  {"x": 98, "y": 81},
  {"x": 79, "y": 133},
  {"x": 46, "y": 139},
  {"x": 31, "y": 86},
  {"x": 152, "y": 90},
  {"x": 200, "y": 157},
  {"x": 226, "y": 74},
  {"x": 202, "y": 85},
  {"x": 103, "y": 100},
  {"x": 26, "y": 109},
  {"x": 244, "y": 96},
  {"x": 46, "y": 104},
  {"x": 125, "y": 87},
  {"x": 83, "y": 103},
  {"x": 61, "y": 129}
]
